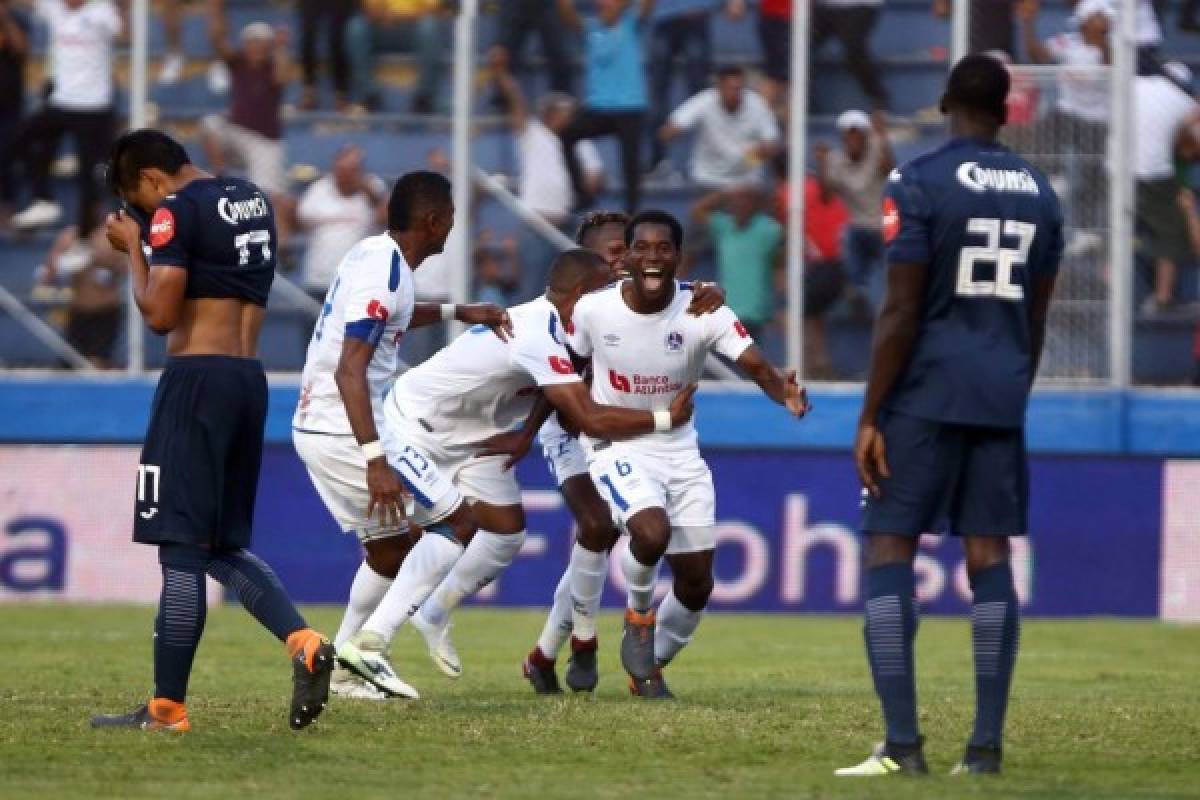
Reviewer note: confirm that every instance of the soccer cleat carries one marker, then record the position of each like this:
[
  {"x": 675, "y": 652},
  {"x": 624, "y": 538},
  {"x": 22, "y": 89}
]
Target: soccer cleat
[
  {"x": 637, "y": 645},
  {"x": 346, "y": 684},
  {"x": 312, "y": 669},
  {"x": 146, "y": 719},
  {"x": 889, "y": 759},
  {"x": 652, "y": 688},
  {"x": 441, "y": 647},
  {"x": 582, "y": 674},
  {"x": 539, "y": 671},
  {"x": 365, "y": 655},
  {"x": 979, "y": 761}
]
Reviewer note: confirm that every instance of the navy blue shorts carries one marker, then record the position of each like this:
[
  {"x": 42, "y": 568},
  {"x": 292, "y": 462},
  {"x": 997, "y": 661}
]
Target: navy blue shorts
[
  {"x": 973, "y": 478},
  {"x": 198, "y": 475}
]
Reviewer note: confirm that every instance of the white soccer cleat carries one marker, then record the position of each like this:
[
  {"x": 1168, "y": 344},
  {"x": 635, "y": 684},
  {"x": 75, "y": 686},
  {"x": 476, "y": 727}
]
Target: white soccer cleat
[
  {"x": 888, "y": 759},
  {"x": 366, "y": 656},
  {"x": 441, "y": 647},
  {"x": 39, "y": 214},
  {"x": 347, "y": 684}
]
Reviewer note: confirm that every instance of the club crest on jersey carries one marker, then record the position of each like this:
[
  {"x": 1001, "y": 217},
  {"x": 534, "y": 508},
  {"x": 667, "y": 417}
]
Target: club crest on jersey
[
  {"x": 981, "y": 179},
  {"x": 612, "y": 340},
  {"x": 235, "y": 211},
  {"x": 674, "y": 342},
  {"x": 162, "y": 227}
]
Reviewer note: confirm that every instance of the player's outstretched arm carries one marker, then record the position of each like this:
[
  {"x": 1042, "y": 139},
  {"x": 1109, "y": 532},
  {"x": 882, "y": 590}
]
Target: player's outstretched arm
[
  {"x": 779, "y": 385},
  {"x": 158, "y": 292},
  {"x": 351, "y": 377},
  {"x": 580, "y": 411},
  {"x": 487, "y": 314},
  {"x": 895, "y": 334}
]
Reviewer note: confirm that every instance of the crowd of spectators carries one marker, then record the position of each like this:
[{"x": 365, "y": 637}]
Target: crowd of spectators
[{"x": 639, "y": 72}]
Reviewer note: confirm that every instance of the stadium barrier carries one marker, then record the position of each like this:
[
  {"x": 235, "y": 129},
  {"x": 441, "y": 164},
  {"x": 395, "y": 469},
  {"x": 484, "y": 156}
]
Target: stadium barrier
[{"x": 1113, "y": 532}]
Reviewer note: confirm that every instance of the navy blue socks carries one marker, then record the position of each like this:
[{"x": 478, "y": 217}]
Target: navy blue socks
[
  {"x": 180, "y": 622},
  {"x": 995, "y": 633},
  {"x": 891, "y": 626},
  {"x": 259, "y": 589}
]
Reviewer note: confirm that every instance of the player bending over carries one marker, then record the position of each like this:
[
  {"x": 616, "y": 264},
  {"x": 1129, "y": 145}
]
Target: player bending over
[
  {"x": 205, "y": 285},
  {"x": 474, "y": 388},
  {"x": 351, "y": 361},
  {"x": 644, "y": 348},
  {"x": 974, "y": 240}
]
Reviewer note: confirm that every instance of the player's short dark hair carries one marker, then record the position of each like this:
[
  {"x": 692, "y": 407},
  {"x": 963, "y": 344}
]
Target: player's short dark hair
[
  {"x": 730, "y": 71},
  {"x": 655, "y": 216},
  {"x": 978, "y": 83},
  {"x": 414, "y": 193},
  {"x": 573, "y": 268},
  {"x": 144, "y": 148},
  {"x": 596, "y": 220}
]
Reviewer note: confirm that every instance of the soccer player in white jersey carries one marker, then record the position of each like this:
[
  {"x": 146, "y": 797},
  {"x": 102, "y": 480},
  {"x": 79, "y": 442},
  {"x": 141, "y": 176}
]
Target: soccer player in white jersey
[
  {"x": 577, "y": 596},
  {"x": 435, "y": 415},
  {"x": 352, "y": 359},
  {"x": 644, "y": 348}
]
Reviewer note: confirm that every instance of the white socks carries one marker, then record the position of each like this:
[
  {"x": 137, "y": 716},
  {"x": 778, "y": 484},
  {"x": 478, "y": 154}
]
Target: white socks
[
  {"x": 674, "y": 629},
  {"x": 485, "y": 557},
  {"x": 368, "y": 589},
  {"x": 640, "y": 580},
  {"x": 587, "y": 572},
  {"x": 424, "y": 568},
  {"x": 558, "y": 624}
]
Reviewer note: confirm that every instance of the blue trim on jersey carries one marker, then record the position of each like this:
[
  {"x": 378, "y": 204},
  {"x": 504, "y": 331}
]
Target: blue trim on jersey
[
  {"x": 478, "y": 329},
  {"x": 394, "y": 275},
  {"x": 367, "y": 330},
  {"x": 554, "y": 328}
]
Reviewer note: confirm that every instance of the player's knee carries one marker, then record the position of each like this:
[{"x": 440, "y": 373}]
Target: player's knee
[
  {"x": 596, "y": 532},
  {"x": 693, "y": 591},
  {"x": 462, "y": 526},
  {"x": 883, "y": 549},
  {"x": 985, "y": 551},
  {"x": 384, "y": 556}
]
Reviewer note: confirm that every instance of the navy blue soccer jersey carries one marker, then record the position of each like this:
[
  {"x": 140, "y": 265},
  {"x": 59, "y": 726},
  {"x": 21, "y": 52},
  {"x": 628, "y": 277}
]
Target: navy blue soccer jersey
[
  {"x": 222, "y": 231},
  {"x": 984, "y": 222}
]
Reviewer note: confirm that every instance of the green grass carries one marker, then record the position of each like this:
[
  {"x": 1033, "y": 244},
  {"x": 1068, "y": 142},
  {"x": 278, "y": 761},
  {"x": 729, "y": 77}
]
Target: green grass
[{"x": 768, "y": 707}]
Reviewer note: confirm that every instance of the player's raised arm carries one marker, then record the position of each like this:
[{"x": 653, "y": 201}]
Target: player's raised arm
[
  {"x": 159, "y": 290},
  {"x": 493, "y": 316}
]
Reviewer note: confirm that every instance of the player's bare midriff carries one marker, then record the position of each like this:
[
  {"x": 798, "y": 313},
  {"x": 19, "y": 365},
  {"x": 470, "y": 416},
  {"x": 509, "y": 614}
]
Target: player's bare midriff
[{"x": 217, "y": 327}]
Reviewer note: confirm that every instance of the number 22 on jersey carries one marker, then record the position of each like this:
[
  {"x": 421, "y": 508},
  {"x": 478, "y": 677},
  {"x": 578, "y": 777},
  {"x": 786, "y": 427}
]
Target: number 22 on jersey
[{"x": 1002, "y": 287}]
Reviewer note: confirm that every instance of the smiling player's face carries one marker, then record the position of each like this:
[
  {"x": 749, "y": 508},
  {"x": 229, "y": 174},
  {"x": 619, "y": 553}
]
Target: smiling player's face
[{"x": 652, "y": 261}]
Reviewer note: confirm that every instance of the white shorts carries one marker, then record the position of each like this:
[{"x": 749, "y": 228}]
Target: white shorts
[
  {"x": 564, "y": 454},
  {"x": 679, "y": 483},
  {"x": 444, "y": 455},
  {"x": 262, "y": 159},
  {"x": 338, "y": 470}
]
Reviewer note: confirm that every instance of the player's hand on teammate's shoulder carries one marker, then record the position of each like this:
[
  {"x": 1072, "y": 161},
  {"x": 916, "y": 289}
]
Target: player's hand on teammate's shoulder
[
  {"x": 123, "y": 231},
  {"x": 514, "y": 444},
  {"x": 870, "y": 457},
  {"x": 707, "y": 297},
  {"x": 493, "y": 316},
  {"x": 795, "y": 396},
  {"x": 386, "y": 493},
  {"x": 683, "y": 405}
]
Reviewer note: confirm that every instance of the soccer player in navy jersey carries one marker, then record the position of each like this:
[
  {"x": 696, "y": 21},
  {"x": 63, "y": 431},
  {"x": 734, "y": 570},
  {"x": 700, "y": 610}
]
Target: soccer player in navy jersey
[
  {"x": 202, "y": 278},
  {"x": 974, "y": 240}
]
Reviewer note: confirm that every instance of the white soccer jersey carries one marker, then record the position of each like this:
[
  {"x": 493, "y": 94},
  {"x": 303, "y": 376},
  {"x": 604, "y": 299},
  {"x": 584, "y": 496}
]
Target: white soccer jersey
[
  {"x": 478, "y": 385},
  {"x": 643, "y": 360},
  {"x": 373, "y": 294}
]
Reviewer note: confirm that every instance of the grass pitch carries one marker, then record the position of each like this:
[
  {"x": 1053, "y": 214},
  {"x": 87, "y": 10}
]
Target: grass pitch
[{"x": 768, "y": 707}]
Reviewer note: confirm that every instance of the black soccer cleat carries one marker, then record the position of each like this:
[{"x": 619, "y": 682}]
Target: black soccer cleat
[
  {"x": 979, "y": 761},
  {"x": 311, "y": 673},
  {"x": 539, "y": 671},
  {"x": 652, "y": 688},
  {"x": 637, "y": 644},
  {"x": 142, "y": 718},
  {"x": 582, "y": 672}
]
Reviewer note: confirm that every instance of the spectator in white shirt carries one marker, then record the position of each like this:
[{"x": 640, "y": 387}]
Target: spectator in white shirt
[
  {"x": 1168, "y": 124},
  {"x": 1080, "y": 117},
  {"x": 736, "y": 133},
  {"x": 543, "y": 181},
  {"x": 337, "y": 210},
  {"x": 80, "y": 103}
]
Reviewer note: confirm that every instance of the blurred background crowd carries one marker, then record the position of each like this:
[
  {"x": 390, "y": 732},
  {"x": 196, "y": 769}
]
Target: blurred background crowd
[{"x": 581, "y": 105}]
